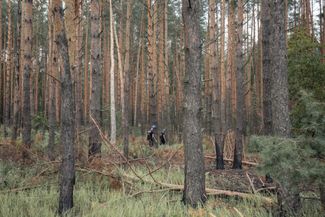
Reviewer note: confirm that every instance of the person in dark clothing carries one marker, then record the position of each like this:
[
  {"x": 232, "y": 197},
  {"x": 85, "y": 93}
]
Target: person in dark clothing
[
  {"x": 151, "y": 136},
  {"x": 162, "y": 137}
]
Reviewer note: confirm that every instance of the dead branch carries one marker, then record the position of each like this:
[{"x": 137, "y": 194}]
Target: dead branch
[
  {"x": 107, "y": 142},
  {"x": 251, "y": 183},
  {"x": 158, "y": 168},
  {"x": 237, "y": 211}
]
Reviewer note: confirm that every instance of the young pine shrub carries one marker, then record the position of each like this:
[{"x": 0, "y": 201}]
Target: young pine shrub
[{"x": 298, "y": 164}]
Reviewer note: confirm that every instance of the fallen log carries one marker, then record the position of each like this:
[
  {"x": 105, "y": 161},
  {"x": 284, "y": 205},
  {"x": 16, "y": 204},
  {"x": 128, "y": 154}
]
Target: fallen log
[
  {"x": 230, "y": 160},
  {"x": 209, "y": 191}
]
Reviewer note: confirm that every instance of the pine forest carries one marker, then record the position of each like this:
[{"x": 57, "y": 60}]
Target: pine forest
[{"x": 143, "y": 108}]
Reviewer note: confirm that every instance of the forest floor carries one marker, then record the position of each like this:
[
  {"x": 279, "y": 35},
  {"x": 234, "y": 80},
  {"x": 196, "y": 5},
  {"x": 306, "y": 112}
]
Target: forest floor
[{"x": 149, "y": 184}]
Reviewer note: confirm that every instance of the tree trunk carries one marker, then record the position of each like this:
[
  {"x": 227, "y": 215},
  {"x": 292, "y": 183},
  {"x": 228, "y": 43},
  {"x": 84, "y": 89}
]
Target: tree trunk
[
  {"x": 94, "y": 138},
  {"x": 78, "y": 63},
  {"x": 67, "y": 172},
  {"x": 138, "y": 71},
  {"x": 86, "y": 78},
  {"x": 151, "y": 69},
  {"x": 1, "y": 71},
  {"x": 267, "y": 38},
  {"x": 231, "y": 69},
  {"x": 71, "y": 22},
  {"x": 279, "y": 95},
  {"x": 112, "y": 85},
  {"x": 194, "y": 183},
  {"x": 240, "y": 111},
  {"x": 53, "y": 63},
  {"x": 279, "y": 75},
  {"x": 125, "y": 118},
  {"x": 7, "y": 99},
  {"x": 17, "y": 77},
  {"x": 26, "y": 44},
  {"x": 220, "y": 144}
]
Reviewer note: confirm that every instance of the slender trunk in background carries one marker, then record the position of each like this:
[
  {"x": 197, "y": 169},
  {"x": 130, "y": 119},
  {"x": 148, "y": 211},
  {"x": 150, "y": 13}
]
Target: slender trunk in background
[
  {"x": 267, "y": 38},
  {"x": 207, "y": 115},
  {"x": 86, "y": 78},
  {"x": 138, "y": 78},
  {"x": 112, "y": 84},
  {"x": 231, "y": 69},
  {"x": 121, "y": 74},
  {"x": 161, "y": 63},
  {"x": 154, "y": 98},
  {"x": 215, "y": 76},
  {"x": 322, "y": 27},
  {"x": 126, "y": 90},
  {"x": 194, "y": 183},
  {"x": 151, "y": 67},
  {"x": 67, "y": 170},
  {"x": 95, "y": 53},
  {"x": 1, "y": 72},
  {"x": 240, "y": 111},
  {"x": 143, "y": 87},
  {"x": 167, "y": 102},
  {"x": 7, "y": 99},
  {"x": 17, "y": 78},
  {"x": 26, "y": 45},
  {"x": 220, "y": 145},
  {"x": 78, "y": 63},
  {"x": 53, "y": 71}
]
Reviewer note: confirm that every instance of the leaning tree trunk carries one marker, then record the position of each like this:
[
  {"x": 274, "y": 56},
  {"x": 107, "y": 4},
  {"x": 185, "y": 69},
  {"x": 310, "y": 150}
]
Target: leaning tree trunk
[
  {"x": 67, "y": 173},
  {"x": 94, "y": 137},
  {"x": 240, "y": 112},
  {"x": 194, "y": 184},
  {"x": 26, "y": 45}
]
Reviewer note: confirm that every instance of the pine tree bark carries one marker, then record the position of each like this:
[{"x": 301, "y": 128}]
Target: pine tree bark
[
  {"x": 161, "y": 63},
  {"x": 1, "y": 71},
  {"x": 112, "y": 84},
  {"x": 279, "y": 75},
  {"x": 126, "y": 90},
  {"x": 53, "y": 71},
  {"x": 240, "y": 98},
  {"x": 231, "y": 69},
  {"x": 86, "y": 78},
  {"x": 67, "y": 170},
  {"x": 94, "y": 138},
  {"x": 8, "y": 72},
  {"x": 138, "y": 78},
  {"x": 267, "y": 38},
  {"x": 17, "y": 76},
  {"x": 220, "y": 145},
  {"x": 151, "y": 68},
  {"x": 194, "y": 183},
  {"x": 26, "y": 44}
]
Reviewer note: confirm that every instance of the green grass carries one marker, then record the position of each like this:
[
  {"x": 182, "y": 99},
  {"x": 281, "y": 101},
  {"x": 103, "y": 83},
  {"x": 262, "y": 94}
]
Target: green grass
[{"x": 94, "y": 195}]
